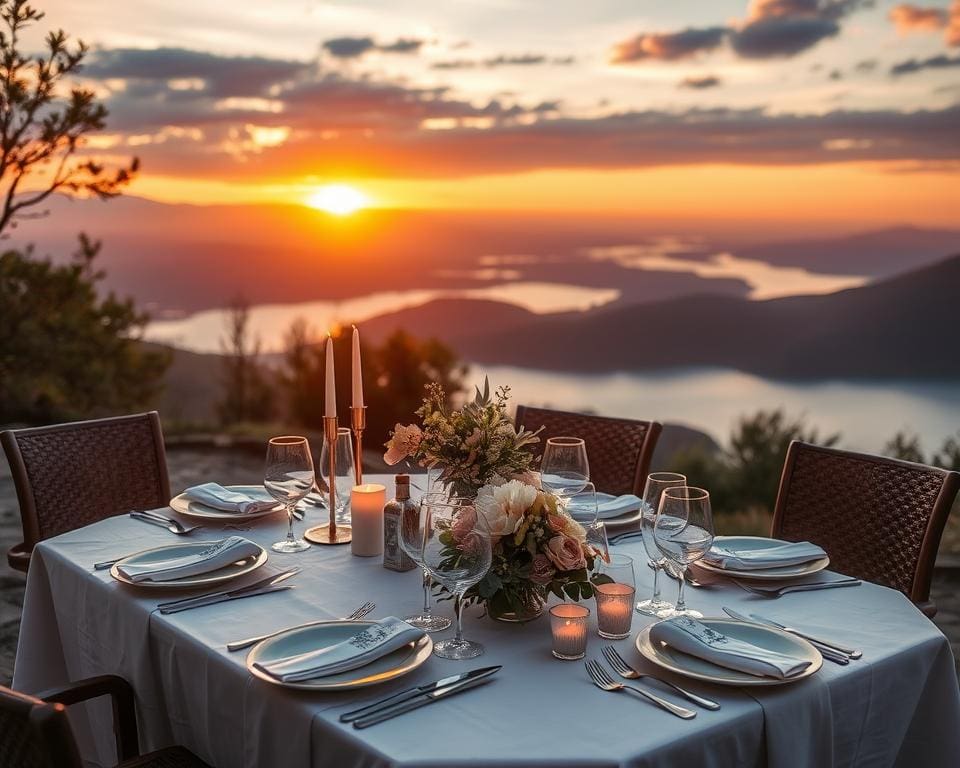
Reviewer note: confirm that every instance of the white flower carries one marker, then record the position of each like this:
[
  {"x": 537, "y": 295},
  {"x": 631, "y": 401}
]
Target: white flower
[{"x": 503, "y": 506}]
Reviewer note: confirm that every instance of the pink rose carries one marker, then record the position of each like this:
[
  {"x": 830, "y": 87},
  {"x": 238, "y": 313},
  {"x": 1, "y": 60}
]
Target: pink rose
[
  {"x": 473, "y": 544},
  {"x": 404, "y": 442},
  {"x": 542, "y": 572},
  {"x": 565, "y": 553},
  {"x": 464, "y": 523},
  {"x": 557, "y": 523}
]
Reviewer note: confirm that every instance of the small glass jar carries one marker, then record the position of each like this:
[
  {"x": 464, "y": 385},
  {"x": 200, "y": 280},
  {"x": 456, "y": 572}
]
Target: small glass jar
[{"x": 568, "y": 624}]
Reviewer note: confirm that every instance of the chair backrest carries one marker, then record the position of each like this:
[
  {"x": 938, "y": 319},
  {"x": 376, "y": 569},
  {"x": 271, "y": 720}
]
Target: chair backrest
[
  {"x": 878, "y": 519},
  {"x": 70, "y": 475},
  {"x": 35, "y": 734},
  {"x": 619, "y": 450}
]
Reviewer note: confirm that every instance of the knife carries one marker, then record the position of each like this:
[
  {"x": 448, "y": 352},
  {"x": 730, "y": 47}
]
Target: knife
[
  {"x": 427, "y": 698},
  {"x": 830, "y": 653},
  {"x": 853, "y": 653},
  {"x": 267, "y": 581},
  {"x": 410, "y": 693},
  {"x": 226, "y": 598}
]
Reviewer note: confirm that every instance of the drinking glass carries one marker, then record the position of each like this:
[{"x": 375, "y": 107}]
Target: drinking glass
[
  {"x": 346, "y": 476},
  {"x": 411, "y": 542},
  {"x": 657, "y": 482},
  {"x": 457, "y": 552},
  {"x": 564, "y": 469},
  {"x": 582, "y": 507},
  {"x": 288, "y": 477},
  {"x": 683, "y": 533}
]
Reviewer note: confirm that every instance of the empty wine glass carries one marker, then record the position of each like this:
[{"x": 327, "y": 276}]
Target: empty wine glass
[
  {"x": 288, "y": 477},
  {"x": 684, "y": 533},
  {"x": 564, "y": 469},
  {"x": 457, "y": 552},
  {"x": 657, "y": 482},
  {"x": 582, "y": 506},
  {"x": 411, "y": 541},
  {"x": 346, "y": 472}
]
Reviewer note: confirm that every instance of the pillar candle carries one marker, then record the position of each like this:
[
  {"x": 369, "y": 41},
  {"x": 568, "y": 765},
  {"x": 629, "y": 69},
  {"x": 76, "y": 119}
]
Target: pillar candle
[
  {"x": 357, "y": 374},
  {"x": 366, "y": 518},
  {"x": 330, "y": 401}
]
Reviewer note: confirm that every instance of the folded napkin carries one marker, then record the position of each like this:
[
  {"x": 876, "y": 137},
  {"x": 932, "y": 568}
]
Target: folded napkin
[
  {"x": 774, "y": 556},
  {"x": 217, "y": 555},
  {"x": 368, "y": 645},
  {"x": 616, "y": 506},
  {"x": 690, "y": 636},
  {"x": 218, "y": 497}
]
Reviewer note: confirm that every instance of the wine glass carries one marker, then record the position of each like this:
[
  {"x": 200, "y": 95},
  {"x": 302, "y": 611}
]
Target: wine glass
[
  {"x": 288, "y": 477},
  {"x": 346, "y": 476},
  {"x": 684, "y": 533},
  {"x": 411, "y": 542},
  {"x": 582, "y": 507},
  {"x": 457, "y": 552},
  {"x": 564, "y": 469},
  {"x": 657, "y": 482}
]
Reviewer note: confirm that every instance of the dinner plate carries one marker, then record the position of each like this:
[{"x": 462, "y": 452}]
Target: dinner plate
[
  {"x": 157, "y": 554},
  {"x": 761, "y": 574},
  {"x": 323, "y": 634},
  {"x": 767, "y": 637},
  {"x": 184, "y": 506},
  {"x": 630, "y": 518}
]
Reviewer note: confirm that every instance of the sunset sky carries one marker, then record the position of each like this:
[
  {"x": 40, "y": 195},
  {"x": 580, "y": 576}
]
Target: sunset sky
[{"x": 831, "y": 110}]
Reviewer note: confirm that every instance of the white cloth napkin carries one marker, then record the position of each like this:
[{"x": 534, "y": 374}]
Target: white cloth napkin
[
  {"x": 215, "y": 556},
  {"x": 787, "y": 553},
  {"x": 690, "y": 636},
  {"x": 616, "y": 506},
  {"x": 368, "y": 645},
  {"x": 219, "y": 498}
]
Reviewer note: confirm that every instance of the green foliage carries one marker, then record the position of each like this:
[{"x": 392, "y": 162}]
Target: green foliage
[
  {"x": 904, "y": 446},
  {"x": 247, "y": 396},
  {"x": 65, "y": 352},
  {"x": 948, "y": 456}
]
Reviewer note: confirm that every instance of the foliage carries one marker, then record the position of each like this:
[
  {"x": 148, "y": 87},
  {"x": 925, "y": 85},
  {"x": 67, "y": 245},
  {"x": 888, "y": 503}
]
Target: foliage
[
  {"x": 41, "y": 127},
  {"x": 948, "y": 456},
  {"x": 65, "y": 352},
  {"x": 247, "y": 396},
  {"x": 904, "y": 446},
  {"x": 302, "y": 375}
]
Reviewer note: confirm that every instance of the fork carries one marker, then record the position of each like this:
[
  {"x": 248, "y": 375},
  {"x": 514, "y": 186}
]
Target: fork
[
  {"x": 239, "y": 645},
  {"x": 620, "y": 666},
  {"x": 773, "y": 594},
  {"x": 174, "y": 526},
  {"x": 602, "y": 680}
]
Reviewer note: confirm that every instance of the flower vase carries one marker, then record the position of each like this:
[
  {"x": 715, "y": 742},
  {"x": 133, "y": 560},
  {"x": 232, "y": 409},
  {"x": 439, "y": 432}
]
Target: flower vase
[{"x": 500, "y": 610}]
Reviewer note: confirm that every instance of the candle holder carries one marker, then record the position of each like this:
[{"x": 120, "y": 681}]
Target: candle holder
[
  {"x": 614, "y": 610},
  {"x": 358, "y": 422},
  {"x": 568, "y": 623},
  {"x": 330, "y": 533}
]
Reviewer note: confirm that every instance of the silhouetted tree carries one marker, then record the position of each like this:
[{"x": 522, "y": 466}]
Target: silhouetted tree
[
  {"x": 904, "y": 446},
  {"x": 42, "y": 123},
  {"x": 65, "y": 352},
  {"x": 948, "y": 456},
  {"x": 247, "y": 397},
  {"x": 302, "y": 377}
]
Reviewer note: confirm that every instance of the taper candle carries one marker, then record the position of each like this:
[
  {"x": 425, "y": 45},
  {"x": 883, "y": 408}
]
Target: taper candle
[
  {"x": 366, "y": 515},
  {"x": 330, "y": 401},
  {"x": 357, "y": 373}
]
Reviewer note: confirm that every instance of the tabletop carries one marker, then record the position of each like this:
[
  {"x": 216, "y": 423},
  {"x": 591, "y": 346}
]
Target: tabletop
[{"x": 899, "y": 705}]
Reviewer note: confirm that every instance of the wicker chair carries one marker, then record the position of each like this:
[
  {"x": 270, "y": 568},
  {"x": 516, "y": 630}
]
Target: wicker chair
[
  {"x": 35, "y": 733},
  {"x": 70, "y": 475},
  {"x": 619, "y": 450},
  {"x": 879, "y": 519}
]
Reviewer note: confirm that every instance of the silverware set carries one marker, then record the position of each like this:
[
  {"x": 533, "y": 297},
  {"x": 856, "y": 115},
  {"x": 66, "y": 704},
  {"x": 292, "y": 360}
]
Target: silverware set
[
  {"x": 602, "y": 679},
  {"x": 622, "y": 668},
  {"x": 830, "y": 650},
  {"x": 264, "y": 586},
  {"x": 239, "y": 645}
]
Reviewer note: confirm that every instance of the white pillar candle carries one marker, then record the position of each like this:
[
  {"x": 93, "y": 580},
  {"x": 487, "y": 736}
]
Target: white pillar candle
[
  {"x": 366, "y": 518},
  {"x": 330, "y": 401},
  {"x": 357, "y": 374}
]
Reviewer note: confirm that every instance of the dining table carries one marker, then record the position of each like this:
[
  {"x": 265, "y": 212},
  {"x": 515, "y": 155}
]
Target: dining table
[{"x": 899, "y": 705}]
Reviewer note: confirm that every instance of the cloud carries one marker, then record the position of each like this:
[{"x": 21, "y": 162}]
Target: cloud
[
  {"x": 504, "y": 60},
  {"x": 669, "y": 46},
  {"x": 700, "y": 83},
  {"x": 912, "y": 18},
  {"x": 355, "y": 47},
  {"x": 910, "y": 66}
]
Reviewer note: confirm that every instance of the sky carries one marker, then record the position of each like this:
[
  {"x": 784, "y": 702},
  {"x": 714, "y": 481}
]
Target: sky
[{"x": 801, "y": 110}]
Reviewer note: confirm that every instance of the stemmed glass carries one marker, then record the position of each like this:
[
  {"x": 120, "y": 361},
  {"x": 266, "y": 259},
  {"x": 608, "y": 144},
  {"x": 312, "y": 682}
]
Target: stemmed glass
[
  {"x": 582, "y": 507},
  {"x": 411, "y": 542},
  {"x": 346, "y": 471},
  {"x": 288, "y": 477},
  {"x": 657, "y": 483},
  {"x": 684, "y": 533},
  {"x": 457, "y": 552},
  {"x": 564, "y": 469}
]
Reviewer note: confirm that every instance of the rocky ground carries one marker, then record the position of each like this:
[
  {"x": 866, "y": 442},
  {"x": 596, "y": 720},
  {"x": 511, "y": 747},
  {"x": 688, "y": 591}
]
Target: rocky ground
[{"x": 191, "y": 466}]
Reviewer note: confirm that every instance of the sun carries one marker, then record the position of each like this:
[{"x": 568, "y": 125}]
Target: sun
[{"x": 338, "y": 199}]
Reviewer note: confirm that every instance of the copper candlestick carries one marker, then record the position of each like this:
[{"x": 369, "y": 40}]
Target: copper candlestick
[
  {"x": 358, "y": 421},
  {"x": 330, "y": 533}
]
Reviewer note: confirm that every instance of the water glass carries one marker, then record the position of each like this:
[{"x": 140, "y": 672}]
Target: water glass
[
  {"x": 657, "y": 483},
  {"x": 564, "y": 469},
  {"x": 288, "y": 477},
  {"x": 411, "y": 542},
  {"x": 684, "y": 533},
  {"x": 346, "y": 477}
]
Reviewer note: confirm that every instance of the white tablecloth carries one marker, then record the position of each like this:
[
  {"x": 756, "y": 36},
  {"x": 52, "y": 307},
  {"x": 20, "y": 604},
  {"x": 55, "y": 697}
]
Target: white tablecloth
[{"x": 898, "y": 706}]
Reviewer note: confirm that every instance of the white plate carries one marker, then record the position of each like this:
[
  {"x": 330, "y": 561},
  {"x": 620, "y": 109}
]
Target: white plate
[
  {"x": 767, "y": 637},
  {"x": 761, "y": 574},
  {"x": 218, "y": 576},
  {"x": 326, "y": 633},
  {"x": 182, "y": 505},
  {"x": 630, "y": 518}
]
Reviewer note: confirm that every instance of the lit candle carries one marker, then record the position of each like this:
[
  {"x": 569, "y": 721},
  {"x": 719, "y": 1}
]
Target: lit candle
[
  {"x": 614, "y": 610},
  {"x": 568, "y": 623},
  {"x": 366, "y": 517},
  {"x": 357, "y": 375},
  {"x": 330, "y": 401}
]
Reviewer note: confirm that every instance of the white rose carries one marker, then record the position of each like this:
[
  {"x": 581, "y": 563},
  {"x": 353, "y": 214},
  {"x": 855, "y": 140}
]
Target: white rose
[{"x": 503, "y": 506}]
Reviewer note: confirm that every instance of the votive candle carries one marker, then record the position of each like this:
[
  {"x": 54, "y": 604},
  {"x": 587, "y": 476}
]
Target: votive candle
[
  {"x": 614, "y": 609},
  {"x": 568, "y": 623},
  {"x": 366, "y": 518}
]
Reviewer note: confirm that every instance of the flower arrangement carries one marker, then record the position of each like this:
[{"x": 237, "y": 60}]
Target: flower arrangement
[{"x": 470, "y": 446}]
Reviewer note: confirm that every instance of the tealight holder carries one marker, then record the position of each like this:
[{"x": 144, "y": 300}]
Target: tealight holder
[
  {"x": 568, "y": 624},
  {"x": 614, "y": 609}
]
